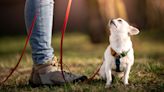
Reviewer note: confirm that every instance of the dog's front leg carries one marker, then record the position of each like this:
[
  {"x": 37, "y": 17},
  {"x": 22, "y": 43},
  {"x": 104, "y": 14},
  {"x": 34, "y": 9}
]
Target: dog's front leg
[
  {"x": 108, "y": 76},
  {"x": 126, "y": 74}
]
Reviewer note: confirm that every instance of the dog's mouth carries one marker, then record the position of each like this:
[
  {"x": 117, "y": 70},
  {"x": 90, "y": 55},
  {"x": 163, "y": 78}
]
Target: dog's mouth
[{"x": 112, "y": 22}]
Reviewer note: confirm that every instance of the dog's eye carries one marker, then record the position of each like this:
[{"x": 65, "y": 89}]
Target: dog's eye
[{"x": 119, "y": 20}]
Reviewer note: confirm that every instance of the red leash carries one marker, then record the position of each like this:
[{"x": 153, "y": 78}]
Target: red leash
[
  {"x": 95, "y": 73},
  {"x": 23, "y": 51},
  {"x": 62, "y": 38}
]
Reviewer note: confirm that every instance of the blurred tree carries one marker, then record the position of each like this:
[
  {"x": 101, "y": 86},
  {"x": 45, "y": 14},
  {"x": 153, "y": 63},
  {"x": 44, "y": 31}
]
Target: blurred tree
[
  {"x": 12, "y": 17},
  {"x": 154, "y": 14},
  {"x": 96, "y": 26},
  {"x": 112, "y": 9},
  {"x": 146, "y": 14},
  {"x": 140, "y": 16},
  {"x": 90, "y": 15}
]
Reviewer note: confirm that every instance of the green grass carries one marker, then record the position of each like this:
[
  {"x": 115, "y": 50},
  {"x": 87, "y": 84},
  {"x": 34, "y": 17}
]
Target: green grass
[{"x": 147, "y": 73}]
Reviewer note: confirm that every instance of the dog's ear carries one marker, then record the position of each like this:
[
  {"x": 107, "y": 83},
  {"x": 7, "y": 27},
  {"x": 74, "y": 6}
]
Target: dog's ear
[{"x": 133, "y": 30}]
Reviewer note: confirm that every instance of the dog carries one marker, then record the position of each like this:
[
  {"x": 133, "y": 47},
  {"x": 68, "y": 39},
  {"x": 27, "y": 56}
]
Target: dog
[{"x": 119, "y": 55}]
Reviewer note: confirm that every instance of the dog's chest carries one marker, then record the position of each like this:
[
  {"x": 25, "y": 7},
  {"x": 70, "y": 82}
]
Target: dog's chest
[
  {"x": 120, "y": 43},
  {"x": 123, "y": 64}
]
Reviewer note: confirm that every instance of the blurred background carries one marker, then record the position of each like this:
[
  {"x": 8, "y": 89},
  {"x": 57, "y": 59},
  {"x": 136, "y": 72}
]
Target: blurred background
[
  {"x": 88, "y": 16},
  {"x": 86, "y": 39}
]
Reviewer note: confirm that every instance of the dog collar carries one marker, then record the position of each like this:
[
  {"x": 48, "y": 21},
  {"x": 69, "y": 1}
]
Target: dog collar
[
  {"x": 121, "y": 55},
  {"x": 117, "y": 58}
]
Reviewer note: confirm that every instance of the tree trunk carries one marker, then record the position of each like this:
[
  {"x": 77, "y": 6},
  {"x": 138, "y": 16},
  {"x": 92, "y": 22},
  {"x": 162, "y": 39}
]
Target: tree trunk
[{"x": 96, "y": 25}]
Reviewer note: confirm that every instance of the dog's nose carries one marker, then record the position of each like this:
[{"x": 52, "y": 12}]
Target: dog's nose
[{"x": 111, "y": 22}]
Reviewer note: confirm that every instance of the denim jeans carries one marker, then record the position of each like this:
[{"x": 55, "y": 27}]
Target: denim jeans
[{"x": 40, "y": 40}]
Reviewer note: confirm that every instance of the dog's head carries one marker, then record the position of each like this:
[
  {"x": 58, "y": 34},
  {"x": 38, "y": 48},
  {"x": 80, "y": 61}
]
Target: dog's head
[{"x": 120, "y": 26}]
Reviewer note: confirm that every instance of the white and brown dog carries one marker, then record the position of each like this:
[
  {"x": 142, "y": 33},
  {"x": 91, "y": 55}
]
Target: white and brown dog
[{"x": 119, "y": 55}]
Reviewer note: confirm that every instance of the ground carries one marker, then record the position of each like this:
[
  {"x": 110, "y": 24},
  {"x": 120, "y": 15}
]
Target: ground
[{"x": 83, "y": 57}]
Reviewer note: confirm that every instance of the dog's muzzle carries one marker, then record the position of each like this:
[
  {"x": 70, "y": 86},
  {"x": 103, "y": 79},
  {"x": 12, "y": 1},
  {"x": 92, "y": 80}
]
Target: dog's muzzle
[{"x": 112, "y": 22}]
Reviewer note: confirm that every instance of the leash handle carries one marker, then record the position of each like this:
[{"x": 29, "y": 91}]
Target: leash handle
[
  {"x": 62, "y": 37},
  {"x": 23, "y": 51}
]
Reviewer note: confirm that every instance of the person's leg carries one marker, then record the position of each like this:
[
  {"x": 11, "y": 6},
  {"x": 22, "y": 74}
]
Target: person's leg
[
  {"x": 40, "y": 40},
  {"x": 45, "y": 71}
]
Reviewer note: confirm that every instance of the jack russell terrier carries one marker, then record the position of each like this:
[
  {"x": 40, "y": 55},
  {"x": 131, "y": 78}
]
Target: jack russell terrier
[{"x": 119, "y": 55}]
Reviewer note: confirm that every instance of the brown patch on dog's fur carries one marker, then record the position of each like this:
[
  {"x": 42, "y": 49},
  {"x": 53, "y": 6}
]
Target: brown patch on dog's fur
[{"x": 113, "y": 52}]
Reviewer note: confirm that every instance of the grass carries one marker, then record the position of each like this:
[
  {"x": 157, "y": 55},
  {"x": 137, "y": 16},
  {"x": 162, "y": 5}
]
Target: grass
[{"x": 147, "y": 73}]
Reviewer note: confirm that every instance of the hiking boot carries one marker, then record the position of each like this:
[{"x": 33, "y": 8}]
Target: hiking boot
[{"x": 50, "y": 74}]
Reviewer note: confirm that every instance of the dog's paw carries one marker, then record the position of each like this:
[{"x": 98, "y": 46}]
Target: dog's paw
[
  {"x": 126, "y": 83},
  {"x": 108, "y": 86}
]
